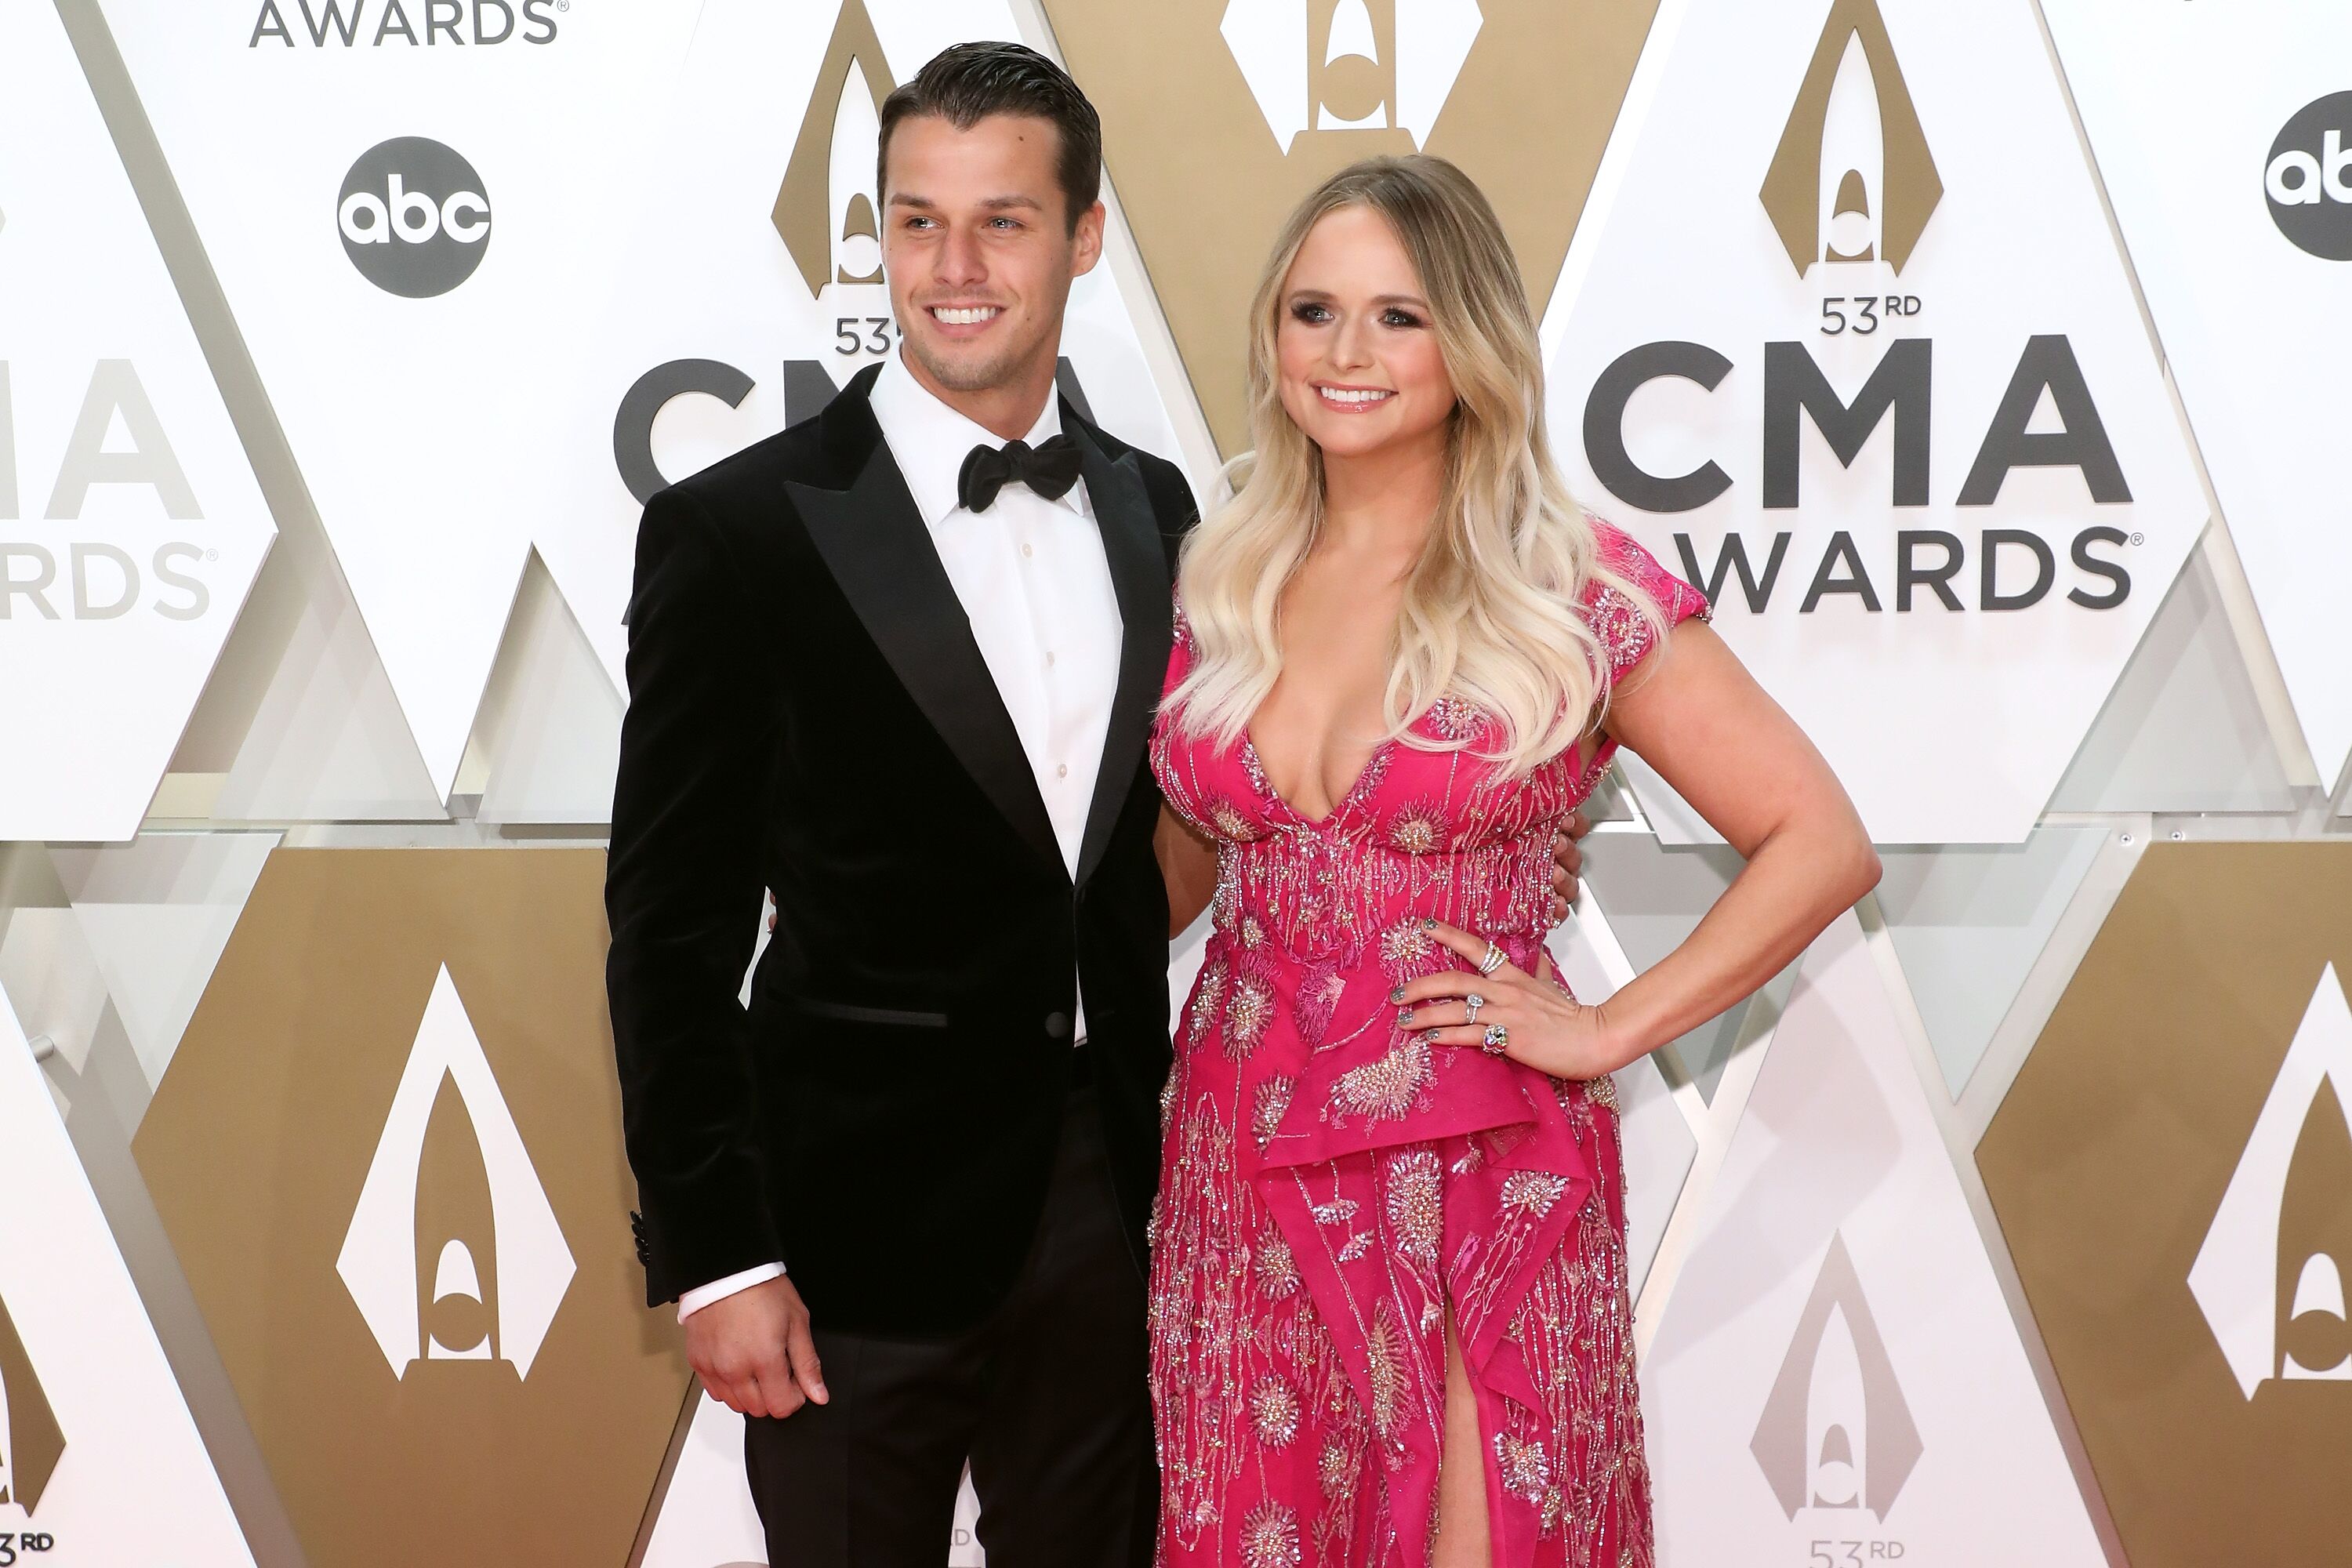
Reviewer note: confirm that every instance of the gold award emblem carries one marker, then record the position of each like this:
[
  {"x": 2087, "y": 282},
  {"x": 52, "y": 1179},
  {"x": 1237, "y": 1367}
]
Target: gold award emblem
[
  {"x": 828, "y": 208},
  {"x": 2172, "y": 1171},
  {"x": 1852, "y": 179},
  {"x": 388, "y": 1155},
  {"x": 1220, "y": 115}
]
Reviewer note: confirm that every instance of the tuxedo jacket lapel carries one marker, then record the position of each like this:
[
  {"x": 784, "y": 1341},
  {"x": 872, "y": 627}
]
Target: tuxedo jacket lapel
[
  {"x": 873, "y": 540},
  {"x": 1138, "y": 575}
]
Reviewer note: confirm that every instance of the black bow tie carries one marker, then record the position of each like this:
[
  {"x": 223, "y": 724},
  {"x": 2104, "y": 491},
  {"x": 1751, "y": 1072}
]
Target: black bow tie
[{"x": 1050, "y": 470}]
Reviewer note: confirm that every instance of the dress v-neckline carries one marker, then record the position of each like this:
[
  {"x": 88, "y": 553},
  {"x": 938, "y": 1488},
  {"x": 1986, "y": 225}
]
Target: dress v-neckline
[{"x": 1265, "y": 775}]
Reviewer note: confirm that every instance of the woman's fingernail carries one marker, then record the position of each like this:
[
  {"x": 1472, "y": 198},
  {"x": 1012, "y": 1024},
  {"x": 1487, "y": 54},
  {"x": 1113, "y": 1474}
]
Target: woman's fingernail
[
  {"x": 1397, "y": 994},
  {"x": 1404, "y": 1018},
  {"x": 1429, "y": 922}
]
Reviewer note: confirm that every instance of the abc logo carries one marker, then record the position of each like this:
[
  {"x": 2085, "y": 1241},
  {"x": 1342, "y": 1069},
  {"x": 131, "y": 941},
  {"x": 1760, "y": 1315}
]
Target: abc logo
[
  {"x": 2309, "y": 178},
  {"x": 413, "y": 217}
]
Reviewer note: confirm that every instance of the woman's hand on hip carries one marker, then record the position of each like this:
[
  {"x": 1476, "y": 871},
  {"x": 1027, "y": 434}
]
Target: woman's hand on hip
[{"x": 1526, "y": 1017}]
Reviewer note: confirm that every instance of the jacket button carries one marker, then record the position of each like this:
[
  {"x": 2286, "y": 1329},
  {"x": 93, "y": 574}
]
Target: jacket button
[{"x": 1057, "y": 1026}]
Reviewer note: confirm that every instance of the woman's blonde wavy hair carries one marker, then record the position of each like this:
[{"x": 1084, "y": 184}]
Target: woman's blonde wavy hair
[{"x": 1492, "y": 613}]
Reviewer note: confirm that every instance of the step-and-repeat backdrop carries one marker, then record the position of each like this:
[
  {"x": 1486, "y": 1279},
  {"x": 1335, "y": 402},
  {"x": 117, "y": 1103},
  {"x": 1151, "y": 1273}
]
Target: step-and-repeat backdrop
[{"x": 1985, "y": 363}]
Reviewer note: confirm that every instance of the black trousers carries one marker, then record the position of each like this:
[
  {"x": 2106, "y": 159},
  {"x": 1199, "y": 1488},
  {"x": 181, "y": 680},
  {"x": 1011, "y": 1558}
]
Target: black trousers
[{"x": 1048, "y": 1399}]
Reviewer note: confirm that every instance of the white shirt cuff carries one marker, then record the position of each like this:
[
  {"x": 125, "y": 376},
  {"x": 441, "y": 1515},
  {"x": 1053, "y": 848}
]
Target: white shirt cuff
[{"x": 701, "y": 1295}]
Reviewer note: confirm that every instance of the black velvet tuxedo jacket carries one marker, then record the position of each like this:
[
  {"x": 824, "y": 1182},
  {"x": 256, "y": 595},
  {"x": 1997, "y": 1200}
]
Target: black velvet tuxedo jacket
[{"x": 808, "y": 713}]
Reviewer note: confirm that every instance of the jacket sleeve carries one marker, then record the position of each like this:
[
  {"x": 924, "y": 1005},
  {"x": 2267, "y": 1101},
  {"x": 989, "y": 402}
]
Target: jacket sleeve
[{"x": 683, "y": 895}]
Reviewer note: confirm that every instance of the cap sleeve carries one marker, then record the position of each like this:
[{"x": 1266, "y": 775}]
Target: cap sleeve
[
  {"x": 1179, "y": 647},
  {"x": 1625, "y": 635}
]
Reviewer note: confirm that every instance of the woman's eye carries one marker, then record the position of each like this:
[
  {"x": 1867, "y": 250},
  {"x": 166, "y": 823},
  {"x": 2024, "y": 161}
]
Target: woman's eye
[
  {"x": 1311, "y": 313},
  {"x": 1403, "y": 318}
]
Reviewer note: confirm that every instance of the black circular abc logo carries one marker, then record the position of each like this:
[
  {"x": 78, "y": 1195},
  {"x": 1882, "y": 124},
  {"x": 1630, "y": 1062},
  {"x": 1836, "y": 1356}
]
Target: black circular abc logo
[
  {"x": 2309, "y": 178},
  {"x": 413, "y": 218}
]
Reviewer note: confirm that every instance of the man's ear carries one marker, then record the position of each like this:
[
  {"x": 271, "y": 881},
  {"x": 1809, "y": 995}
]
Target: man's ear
[{"x": 1087, "y": 241}]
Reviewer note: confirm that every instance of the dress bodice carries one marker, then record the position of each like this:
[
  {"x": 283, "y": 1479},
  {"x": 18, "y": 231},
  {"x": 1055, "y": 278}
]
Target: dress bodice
[{"x": 1430, "y": 826}]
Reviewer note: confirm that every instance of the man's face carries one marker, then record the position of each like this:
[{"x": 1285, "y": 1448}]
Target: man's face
[{"x": 979, "y": 250}]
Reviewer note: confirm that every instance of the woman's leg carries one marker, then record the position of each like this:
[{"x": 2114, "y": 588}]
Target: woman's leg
[{"x": 1461, "y": 1535}]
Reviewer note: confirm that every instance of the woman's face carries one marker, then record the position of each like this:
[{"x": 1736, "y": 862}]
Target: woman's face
[{"x": 1356, "y": 352}]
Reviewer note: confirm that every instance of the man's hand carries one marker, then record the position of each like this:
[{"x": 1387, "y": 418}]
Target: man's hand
[
  {"x": 753, "y": 1352},
  {"x": 1567, "y": 864}
]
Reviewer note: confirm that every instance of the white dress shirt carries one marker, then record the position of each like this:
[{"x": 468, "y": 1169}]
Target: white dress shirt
[{"x": 1032, "y": 578}]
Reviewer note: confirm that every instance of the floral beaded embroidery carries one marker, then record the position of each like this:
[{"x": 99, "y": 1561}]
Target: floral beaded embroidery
[
  {"x": 1385, "y": 1090},
  {"x": 1417, "y": 828},
  {"x": 1416, "y": 1212},
  {"x": 1270, "y": 1537}
]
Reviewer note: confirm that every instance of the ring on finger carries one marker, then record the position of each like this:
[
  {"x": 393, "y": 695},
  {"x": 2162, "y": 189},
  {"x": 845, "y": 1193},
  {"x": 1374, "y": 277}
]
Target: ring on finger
[
  {"x": 1474, "y": 1001},
  {"x": 1497, "y": 1041},
  {"x": 1492, "y": 959}
]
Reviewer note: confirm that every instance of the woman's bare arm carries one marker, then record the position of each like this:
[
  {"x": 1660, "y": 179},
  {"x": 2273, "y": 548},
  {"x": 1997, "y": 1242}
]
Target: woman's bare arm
[{"x": 1694, "y": 713}]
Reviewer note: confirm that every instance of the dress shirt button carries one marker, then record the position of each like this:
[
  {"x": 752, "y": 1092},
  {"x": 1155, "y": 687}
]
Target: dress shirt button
[
  {"x": 1057, "y": 1026},
  {"x": 1025, "y": 550},
  {"x": 1049, "y": 659},
  {"x": 1061, "y": 770}
]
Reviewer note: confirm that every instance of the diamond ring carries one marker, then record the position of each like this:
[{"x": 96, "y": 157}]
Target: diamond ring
[
  {"x": 1498, "y": 1040},
  {"x": 1473, "y": 1001},
  {"x": 1494, "y": 959}
]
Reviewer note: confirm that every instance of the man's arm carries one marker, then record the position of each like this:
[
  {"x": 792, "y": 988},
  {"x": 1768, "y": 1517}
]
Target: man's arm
[
  {"x": 682, "y": 894},
  {"x": 1188, "y": 864}
]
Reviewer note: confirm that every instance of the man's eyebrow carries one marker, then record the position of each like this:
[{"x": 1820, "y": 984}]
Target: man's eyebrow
[{"x": 993, "y": 204}]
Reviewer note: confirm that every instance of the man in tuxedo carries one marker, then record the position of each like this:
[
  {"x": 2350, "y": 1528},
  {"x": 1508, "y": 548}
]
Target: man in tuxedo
[{"x": 897, "y": 666}]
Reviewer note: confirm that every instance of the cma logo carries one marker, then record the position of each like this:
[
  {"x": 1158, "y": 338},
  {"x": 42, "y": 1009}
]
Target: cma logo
[
  {"x": 1318, "y": 65},
  {"x": 460, "y": 23},
  {"x": 2308, "y": 180},
  {"x": 1850, "y": 189},
  {"x": 413, "y": 217},
  {"x": 2046, "y": 418},
  {"x": 1852, "y": 179},
  {"x": 31, "y": 1443},
  {"x": 1836, "y": 1432},
  {"x": 92, "y": 580},
  {"x": 454, "y": 1252},
  {"x": 2270, "y": 1277}
]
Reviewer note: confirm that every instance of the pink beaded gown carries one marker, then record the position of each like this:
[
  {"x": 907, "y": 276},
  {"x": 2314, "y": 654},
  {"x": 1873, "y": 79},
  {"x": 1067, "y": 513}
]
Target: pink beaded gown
[{"x": 1329, "y": 1184}]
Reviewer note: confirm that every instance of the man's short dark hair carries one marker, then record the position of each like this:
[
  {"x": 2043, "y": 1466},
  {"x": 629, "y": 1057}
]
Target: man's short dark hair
[{"x": 967, "y": 82}]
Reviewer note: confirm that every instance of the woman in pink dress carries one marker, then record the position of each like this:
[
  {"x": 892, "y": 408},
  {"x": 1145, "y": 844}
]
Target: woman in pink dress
[{"x": 1391, "y": 1321}]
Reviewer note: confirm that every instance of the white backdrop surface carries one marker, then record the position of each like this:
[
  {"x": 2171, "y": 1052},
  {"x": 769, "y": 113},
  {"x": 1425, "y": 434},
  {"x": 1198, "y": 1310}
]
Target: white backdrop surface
[{"x": 130, "y": 525}]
